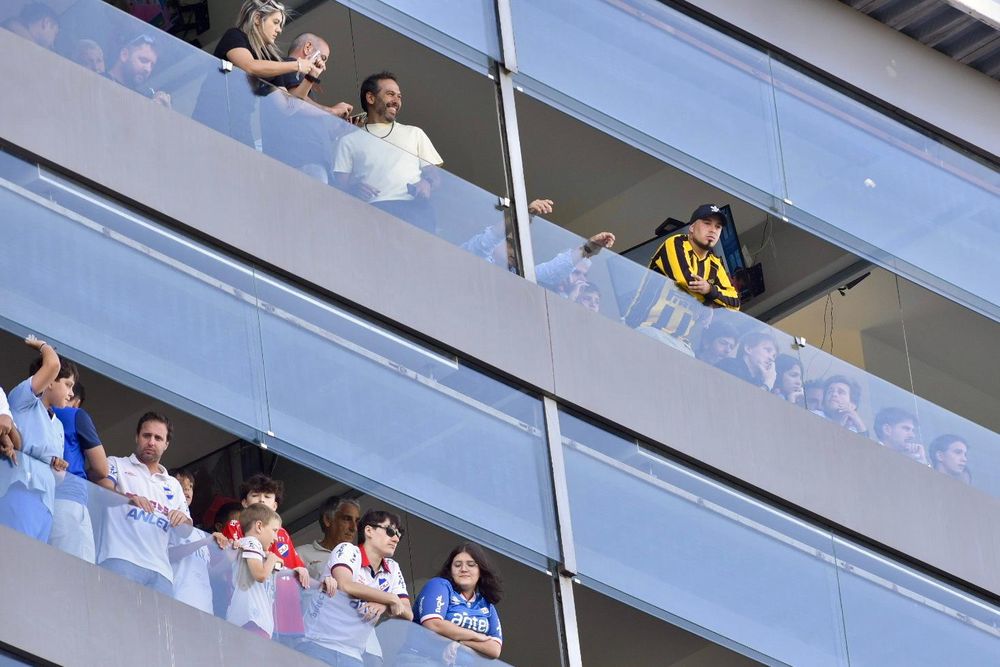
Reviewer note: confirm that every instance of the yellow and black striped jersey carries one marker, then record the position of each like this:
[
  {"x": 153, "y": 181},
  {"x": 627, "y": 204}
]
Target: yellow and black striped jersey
[{"x": 660, "y": 304}]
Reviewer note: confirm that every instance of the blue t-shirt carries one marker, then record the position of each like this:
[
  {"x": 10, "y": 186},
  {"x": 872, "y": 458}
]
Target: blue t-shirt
[
  {"x": 80, "y": 435},
  {"x": 439, "y": 599}
]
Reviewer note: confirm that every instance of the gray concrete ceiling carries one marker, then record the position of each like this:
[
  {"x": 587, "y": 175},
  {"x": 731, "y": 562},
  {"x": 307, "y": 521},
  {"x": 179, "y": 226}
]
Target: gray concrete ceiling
[{"x": 956, "y": 28}]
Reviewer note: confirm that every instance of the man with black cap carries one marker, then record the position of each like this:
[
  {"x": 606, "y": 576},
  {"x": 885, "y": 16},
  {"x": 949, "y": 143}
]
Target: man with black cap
[{"x": 661, "y": 310}]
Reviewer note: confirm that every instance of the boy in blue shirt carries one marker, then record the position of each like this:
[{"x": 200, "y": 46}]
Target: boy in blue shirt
[
  {"x": 29, "y": 484},
  {"x": 72, "y": 529}
]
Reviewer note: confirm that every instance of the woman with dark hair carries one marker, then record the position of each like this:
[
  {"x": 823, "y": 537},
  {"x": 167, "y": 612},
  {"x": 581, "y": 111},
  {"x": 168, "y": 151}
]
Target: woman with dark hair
[
  {"x": 788, "y": 382},
  {"x": 458, "y": 603}
]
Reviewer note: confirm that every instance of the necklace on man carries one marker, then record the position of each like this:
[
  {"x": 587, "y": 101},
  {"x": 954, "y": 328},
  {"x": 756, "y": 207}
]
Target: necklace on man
[{"x": 391, "y": 128}]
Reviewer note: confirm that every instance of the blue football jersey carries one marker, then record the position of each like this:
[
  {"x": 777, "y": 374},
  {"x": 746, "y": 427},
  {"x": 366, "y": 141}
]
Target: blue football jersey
[{"x": 439, "y": 599}]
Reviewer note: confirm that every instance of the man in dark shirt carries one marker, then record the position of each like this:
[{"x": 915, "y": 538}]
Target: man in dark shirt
[
  {"x": 134, "y": 65},
  {"x": 300, "y": 132},
  {"x": 754, "y": 362}
]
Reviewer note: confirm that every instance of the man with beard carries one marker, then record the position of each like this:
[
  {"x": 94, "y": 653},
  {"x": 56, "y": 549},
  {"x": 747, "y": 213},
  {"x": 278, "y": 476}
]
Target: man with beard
[
  {"x": 398, "y": 173},
  {"x": 134, "y": 65},
  {"x": 137, "y": 533},
  {"x": 670, "y": 310},
  {"x": 896, "y": 429}
]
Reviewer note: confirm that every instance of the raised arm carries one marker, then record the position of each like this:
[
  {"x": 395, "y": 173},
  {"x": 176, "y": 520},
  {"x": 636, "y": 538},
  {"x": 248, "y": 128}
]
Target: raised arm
[{"x": 49, "y": 371}]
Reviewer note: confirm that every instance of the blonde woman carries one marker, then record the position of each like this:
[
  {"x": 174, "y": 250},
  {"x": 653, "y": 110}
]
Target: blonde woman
[{"x": 250, "y": 46}]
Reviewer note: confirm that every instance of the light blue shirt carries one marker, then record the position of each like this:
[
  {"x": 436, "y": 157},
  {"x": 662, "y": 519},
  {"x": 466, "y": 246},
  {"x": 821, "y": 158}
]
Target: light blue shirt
[{"x": 41, "y": 439}]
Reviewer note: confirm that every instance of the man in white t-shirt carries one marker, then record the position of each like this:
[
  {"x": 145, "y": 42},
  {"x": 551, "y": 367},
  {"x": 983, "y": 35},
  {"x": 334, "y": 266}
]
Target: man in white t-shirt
[
  {"x": 388, "y": 164},
  {"x": 369, "y": 584},
  {"x": 137, "y": 534}
]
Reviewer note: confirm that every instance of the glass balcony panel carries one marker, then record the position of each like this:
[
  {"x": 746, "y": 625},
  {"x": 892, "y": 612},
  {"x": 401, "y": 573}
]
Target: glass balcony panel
[
  {"x": 891, "y": 193},
  {"x": 471, "y": 23},
  {"x": 895, "y": 615},
  {"x": 416, "y": 421},
  {"x": 119, "y": 288},
  {"x": 700, "y": 552},
  {"x": 407, "y": 643},
  {"x": 641, "y": 66}
]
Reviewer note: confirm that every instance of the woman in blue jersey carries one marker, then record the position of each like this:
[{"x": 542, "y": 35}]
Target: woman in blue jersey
[{"x": 458, "y": 604}]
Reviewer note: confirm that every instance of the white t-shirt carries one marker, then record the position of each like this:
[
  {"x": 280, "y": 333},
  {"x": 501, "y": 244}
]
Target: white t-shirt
[
  {"x": 133, "y": 535},
  {"x": 192, "y": 584},
  {"x": 252, "y": 601},
  {"x": 315, "y": 556},
  {"x": 336, "y": 623},
  {"x": 388, "y": 157},
  {"x": 4, "y": 406}
]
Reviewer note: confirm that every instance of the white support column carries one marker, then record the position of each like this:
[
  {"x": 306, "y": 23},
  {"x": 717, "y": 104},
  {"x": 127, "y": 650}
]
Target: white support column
[
  {"x": 519, "y": 190},
  {"x": 567, "y": 569}
]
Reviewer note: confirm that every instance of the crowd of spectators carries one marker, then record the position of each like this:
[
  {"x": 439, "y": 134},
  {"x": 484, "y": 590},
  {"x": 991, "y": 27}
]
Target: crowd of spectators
[
  {"x": 323, "y": 599},
  {"x": 686, "y": 301}
]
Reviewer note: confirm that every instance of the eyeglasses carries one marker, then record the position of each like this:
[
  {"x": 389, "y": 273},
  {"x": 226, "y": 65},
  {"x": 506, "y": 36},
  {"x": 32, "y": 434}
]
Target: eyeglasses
[{"x": 390, "y": 531}]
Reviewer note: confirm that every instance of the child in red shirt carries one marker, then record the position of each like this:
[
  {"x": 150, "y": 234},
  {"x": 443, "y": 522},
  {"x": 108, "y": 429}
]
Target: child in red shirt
[{"x": 287, "y": 600}]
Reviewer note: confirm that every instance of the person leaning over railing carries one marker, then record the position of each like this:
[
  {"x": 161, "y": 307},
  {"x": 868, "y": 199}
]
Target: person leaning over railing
[
  {"x": 250, "y": 46},
  {"x": 370, "y": 585},
  {"x": 28, "y": 482},
  {"x": 72, "y": 525},
  {"x": 658, "y": 310},
  {"x": 565, "y": 274},
  {"x": 301, "y": 133},
  {"x": 458, "y": 604}
]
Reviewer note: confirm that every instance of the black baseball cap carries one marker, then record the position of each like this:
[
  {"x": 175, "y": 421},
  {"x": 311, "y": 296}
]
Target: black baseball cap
[{"x": 706, "y": 211}]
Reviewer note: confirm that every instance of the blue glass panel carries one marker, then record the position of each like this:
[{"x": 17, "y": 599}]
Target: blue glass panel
[
  {"x": 417, "y": 421},
  {"x": 676, "y": 81},
  {"x": 470, "y": 22},
  {"x": 698, "y": 551},
  {"x": 905, "y": 200},
  {"x": 100, "y": 279},
  {"x": 897, "y": 616}
]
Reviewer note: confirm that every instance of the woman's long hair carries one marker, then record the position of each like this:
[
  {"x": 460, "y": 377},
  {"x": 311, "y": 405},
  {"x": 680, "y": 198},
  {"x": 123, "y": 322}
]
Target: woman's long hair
[
  {"x": 252, "y": 14},
  {"x": 490, "y": 581}
]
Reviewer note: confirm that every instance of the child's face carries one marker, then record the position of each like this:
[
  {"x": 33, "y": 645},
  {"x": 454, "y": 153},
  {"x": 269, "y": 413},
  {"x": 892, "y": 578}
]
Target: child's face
[
  {"x": 187, "y": 487},
  {"x": 268, "y": 533},
  {"x": 58, "y": 394},
  {"x": 267, "y": 499}
]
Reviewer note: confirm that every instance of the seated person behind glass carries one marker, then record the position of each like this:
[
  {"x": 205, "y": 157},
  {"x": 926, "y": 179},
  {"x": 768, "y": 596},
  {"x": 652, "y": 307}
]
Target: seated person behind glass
[{"x": 664, "y": 310}]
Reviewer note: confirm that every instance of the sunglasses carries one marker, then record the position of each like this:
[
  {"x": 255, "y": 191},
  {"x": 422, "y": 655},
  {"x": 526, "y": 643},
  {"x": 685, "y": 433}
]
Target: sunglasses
[{"x": 390, "y": 531}]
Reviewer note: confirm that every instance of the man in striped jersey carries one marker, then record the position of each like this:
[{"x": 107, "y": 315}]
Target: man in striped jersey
[{"x": 670, "y": 310}]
